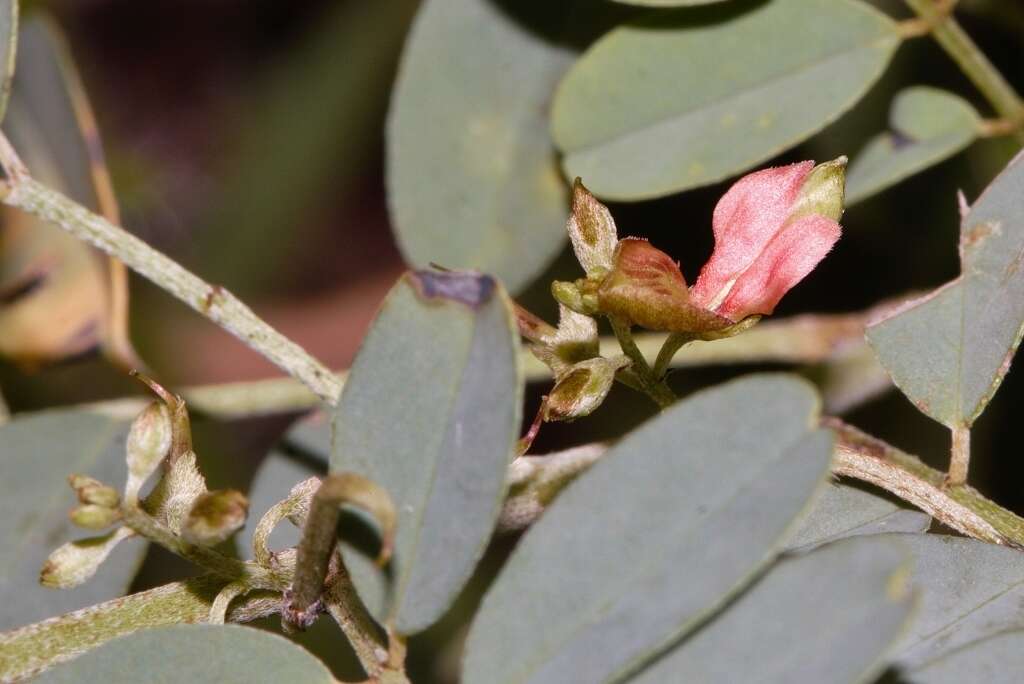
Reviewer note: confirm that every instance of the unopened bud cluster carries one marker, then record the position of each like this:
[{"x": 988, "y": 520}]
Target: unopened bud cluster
[
  {"x": 179, "y": 503},
  {"x": 772, "y": 227}
]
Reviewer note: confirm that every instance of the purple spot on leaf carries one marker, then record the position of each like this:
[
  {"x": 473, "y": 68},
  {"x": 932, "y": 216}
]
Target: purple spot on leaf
[{"x": 466, "y": 287}]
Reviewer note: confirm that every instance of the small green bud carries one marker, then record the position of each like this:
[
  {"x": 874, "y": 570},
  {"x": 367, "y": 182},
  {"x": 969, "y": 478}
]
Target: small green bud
[
  {"x": 823, "y": 192},
  {"x": 214, "y": 517},
  {"x": 578, "y": 296},
  {"x": 149, "y": 440},
  {"x": 94, "y": 517},
  {"x": 568, "y": 295},
  {"x": 91, "y": 491}
]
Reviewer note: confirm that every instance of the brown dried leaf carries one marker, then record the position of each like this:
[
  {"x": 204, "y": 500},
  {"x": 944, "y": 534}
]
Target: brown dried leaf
[{"x": 59, "y": 298}]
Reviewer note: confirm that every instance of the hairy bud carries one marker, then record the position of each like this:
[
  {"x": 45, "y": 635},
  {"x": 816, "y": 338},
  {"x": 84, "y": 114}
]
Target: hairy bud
[
  {"x": 94, "y": 516},
  {"x": 215, "y": 516},
  {"x": 149, "y": 440},
  {"x": 91, "y": 491}
]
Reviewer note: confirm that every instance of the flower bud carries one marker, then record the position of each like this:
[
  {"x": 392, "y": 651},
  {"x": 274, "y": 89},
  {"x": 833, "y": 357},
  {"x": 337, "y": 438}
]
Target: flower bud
[
  {"x": 94, "y": 517},
  {"x": 91, "y": 491},
  {"x": 215, "y": 516},
  {"x": 583, "y": 388},
  {"x": 573, "y": 341},
  {"x": 647, "y": 288},
  {"x": 75, "y": 562},
  {"x": 592, "y": 231},
  {"x": 149, "y": 440},
  {"x": 574, "y": 297},
  {"x": 177, "y": 491}
]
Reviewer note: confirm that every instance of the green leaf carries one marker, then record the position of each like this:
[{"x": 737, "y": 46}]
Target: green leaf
[
  {"x": 37, "y": 453},
  {"x": 654, "y": 537},
  {"x": 8, "y": 49},
  {"x": 667, "y": 3},
  {"x": 195, "y": 654},
  {"x": 829, "y": 616},
  {"x": 969, "y": 590},
  {"x": 927, "y": 125},
  {"x": 472, "y": 177},
  {"x": 847, "y": 511},
  {"x": 431, "y": 412},
  {"x": 680, "y": 99},
  {"x": 995, "y": 660},
  {"x": 948, "y": 351}
]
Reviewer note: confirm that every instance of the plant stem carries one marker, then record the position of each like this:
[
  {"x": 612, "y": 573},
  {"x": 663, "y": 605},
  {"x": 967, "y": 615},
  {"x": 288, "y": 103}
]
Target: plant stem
[
  {"x": 30, "y": 649},
  {"x": 232, "y": 569},
  {"x": 655, "y": 388},
  {"x": 349, "y": 611},
  {"x": 972, "y": 61},
  {"x": 959, "y": 456},
  {"x": 960, "y": 507},
  {"x": 673, "y": 343},
  {"x": 320, "y": 537},
  {"x": 212, "y": 301}
]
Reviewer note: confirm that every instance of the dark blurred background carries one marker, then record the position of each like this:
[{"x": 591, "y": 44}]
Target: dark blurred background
[{"x": 245, "y": 140}]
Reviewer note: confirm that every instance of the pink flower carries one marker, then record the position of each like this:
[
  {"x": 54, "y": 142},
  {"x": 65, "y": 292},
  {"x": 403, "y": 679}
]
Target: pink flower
[{"x": 771, "y": 229}]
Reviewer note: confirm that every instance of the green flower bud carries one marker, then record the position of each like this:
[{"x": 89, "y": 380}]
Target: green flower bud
[
  {"x": 91, "y": 491},
  {"x": 94, "y": 517}
]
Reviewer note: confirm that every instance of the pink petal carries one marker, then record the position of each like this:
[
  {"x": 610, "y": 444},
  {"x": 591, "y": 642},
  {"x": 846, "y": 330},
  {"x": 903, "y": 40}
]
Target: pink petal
[
  {"x": 784, "y": 262},
  {"x": 746, "y": 219}
]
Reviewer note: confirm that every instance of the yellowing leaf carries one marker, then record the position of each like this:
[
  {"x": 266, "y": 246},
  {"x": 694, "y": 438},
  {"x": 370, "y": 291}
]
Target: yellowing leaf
[{"x": 58, "y": 297}]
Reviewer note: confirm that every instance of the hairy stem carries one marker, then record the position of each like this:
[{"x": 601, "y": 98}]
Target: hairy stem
[
  {"x": 958, "y": 506},
  {"x": 320, "y": 537},
  {"x": 31, "y": 649},
  {"x": 959, "y": 456},
  {"x": 220, "y": 306},
  {"x": 673, "y": 343},
  {"x": 655, "y": 388},
  {"x": 349, "y": 611},
  {"x": 226, "y": 567},
  {"x": 972, "y": 61}
]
